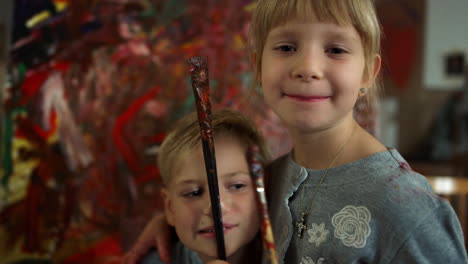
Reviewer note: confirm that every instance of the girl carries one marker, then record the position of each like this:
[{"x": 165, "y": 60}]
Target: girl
[{"x": 340, "y": 196}]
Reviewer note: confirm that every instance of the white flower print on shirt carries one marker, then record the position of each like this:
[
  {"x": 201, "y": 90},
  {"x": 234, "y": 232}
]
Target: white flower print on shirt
[
  {"x": 308, "y": 260},
  {"x": 317, "y": 234},
  {"x": 352, "y": 225}
]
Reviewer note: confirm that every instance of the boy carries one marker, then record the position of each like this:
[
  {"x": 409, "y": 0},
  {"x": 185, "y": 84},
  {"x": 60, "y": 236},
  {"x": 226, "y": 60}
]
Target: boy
[{"x": 186, "y": 197}]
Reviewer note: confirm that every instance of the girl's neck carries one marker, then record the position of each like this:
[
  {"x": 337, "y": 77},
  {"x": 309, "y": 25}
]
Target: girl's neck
[{"x": 318, "y": 150}]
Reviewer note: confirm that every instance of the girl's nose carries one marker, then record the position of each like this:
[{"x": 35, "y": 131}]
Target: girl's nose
[{"x": 307, "y": 67}]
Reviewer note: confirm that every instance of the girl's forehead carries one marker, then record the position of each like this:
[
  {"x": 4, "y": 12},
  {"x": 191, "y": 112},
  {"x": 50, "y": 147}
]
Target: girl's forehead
[
  {"x": 291, "y": 28},
  {"x": 311, "y": 11}
]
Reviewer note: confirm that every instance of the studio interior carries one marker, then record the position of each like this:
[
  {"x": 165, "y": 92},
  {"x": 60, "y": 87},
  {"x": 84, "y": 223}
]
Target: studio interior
[{"x": 89, "y": 89}]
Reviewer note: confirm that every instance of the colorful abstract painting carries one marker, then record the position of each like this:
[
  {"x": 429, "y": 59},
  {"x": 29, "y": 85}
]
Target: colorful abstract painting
[{"x": 93, "y": 85}]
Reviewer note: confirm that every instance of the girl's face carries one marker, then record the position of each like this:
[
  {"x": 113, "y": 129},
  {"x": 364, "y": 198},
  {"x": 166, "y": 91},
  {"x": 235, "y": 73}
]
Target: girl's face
[
  {"x": 312, "y": 73},
  {"x": 188, "y": 206}
]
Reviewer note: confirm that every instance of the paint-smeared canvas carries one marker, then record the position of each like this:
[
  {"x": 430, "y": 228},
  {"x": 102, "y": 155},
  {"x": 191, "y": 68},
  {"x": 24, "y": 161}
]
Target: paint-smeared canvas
[{"x": 93, "y": 86}]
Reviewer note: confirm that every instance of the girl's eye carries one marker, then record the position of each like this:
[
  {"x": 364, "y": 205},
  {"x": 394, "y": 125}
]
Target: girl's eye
[
  {"x": 286, "y": 48},
  {"x": 336, "y": 50},
  {"x": 193, "y": 193}
]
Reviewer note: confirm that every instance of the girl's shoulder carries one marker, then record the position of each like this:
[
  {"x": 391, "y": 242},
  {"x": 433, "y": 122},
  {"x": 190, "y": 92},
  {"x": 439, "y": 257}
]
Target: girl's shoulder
[{"x": 405, "y": 191}]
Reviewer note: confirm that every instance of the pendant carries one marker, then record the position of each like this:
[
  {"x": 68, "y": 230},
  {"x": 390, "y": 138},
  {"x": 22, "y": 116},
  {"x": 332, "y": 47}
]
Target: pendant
[{"x": 301, "y": 226}]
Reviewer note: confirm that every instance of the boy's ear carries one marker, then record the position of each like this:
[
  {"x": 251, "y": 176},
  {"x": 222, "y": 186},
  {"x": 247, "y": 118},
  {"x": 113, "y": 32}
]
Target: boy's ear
[
  {"x": 375, "y": 71},
  {"x": 168, "y": 211}
]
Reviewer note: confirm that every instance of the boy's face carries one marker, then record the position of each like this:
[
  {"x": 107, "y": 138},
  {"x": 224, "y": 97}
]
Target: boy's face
[
  {"x": 187, "y": 202},
  {"x": 312, "y": 73}
]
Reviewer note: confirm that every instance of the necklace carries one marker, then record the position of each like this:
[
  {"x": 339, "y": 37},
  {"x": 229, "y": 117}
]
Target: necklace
[{"x": 301, "y": 225}]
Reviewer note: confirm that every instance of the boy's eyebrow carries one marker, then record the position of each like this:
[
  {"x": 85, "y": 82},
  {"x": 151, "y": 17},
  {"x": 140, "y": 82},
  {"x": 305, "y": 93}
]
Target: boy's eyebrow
[
  {"x": 235, "y": 173},
  {"x": 189, "y": 181}
]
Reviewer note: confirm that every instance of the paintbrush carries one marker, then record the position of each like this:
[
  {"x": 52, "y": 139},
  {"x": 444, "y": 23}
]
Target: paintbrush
[
  {"x": 200, "y": 84},
  {"x": 256, "y": 170}
]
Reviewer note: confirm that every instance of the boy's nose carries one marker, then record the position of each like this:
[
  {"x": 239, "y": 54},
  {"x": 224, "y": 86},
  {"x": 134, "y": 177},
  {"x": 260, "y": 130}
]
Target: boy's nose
[{"x": 223, "y": 204}]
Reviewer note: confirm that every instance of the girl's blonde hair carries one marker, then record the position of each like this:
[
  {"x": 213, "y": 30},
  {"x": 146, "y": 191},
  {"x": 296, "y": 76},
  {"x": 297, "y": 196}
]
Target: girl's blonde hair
[
  {"x": 184, "y": 137},
  {"x": 361, "y": 14}
]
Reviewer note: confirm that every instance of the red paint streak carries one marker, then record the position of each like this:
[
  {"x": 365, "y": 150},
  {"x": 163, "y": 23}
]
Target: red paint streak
[
  {"x": 149, "y": 173},
  {"x": 36, "y": 78},
  {"x": 43, "y": 134},
  {"x": 62, "y": 66},
  {"x": 158, "y": 138},
  {"x": 32, "y": 84},
  {"x": 405, "y": 166},
  {"x": 127, "y": 152},
  {"x": 257, "y": 172},
  {"x": 200, "y": 83}
]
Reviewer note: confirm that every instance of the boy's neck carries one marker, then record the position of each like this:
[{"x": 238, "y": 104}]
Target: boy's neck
[{"x": 248, "y": 254}]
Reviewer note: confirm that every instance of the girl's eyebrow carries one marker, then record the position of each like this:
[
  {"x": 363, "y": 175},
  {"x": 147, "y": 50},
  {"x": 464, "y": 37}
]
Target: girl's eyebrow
[
  {"x": 278, "y": 33},
  {"x": 335, "y": 33},
  {"x": 341, "y": 35}
]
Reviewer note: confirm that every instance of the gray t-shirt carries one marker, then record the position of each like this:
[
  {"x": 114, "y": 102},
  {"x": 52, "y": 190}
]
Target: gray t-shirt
[
  {"x": 373, "y": 210},
  {"x": 180, "y": 255}
]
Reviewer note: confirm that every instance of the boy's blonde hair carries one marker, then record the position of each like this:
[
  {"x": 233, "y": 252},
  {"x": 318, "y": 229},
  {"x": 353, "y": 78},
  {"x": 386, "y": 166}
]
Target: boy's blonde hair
[
  {"x": 184, "y": 137},
  {"x": 361, "y": 14}
]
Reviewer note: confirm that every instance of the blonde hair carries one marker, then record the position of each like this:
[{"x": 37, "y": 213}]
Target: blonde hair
[
  {"x": 184, "y": 137},
  {"x": 360, "y": 14}
]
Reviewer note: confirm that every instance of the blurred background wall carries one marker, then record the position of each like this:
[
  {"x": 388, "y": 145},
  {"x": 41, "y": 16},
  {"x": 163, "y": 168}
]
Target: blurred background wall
[{"x": 423, "y": 40}]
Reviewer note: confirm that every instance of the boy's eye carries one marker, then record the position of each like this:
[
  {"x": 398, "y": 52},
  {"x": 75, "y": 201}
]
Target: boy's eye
[
  {"x": 286, "y": 48},
  {"x": 237, "y": 186},
  {"x": 193, "y": 193}
]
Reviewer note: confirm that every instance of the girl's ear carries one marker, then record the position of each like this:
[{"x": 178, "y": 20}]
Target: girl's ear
[
  {"x": 168, "y": 210},
  {"x": 377, "y": 66},
  {"x": 375, "y": 71}
]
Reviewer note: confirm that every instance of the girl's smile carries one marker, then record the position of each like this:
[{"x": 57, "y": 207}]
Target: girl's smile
[{"x": 306, "y": 98}]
